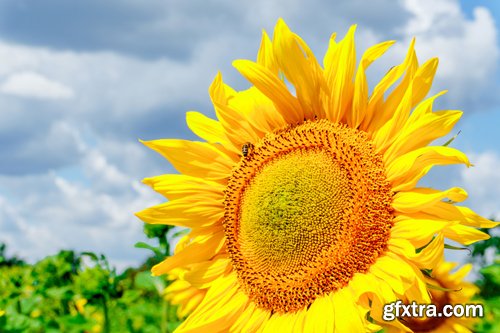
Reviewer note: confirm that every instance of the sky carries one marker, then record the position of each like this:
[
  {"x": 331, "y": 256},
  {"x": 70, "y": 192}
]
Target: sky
[{"x": 82, "y": 81}]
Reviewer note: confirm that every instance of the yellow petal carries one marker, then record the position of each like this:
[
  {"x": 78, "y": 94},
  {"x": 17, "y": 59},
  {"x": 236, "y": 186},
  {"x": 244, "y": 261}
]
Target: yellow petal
[
  {"x": 421, "y": 198},
  {"x": 424, "y": 108},
  {"x": 182, "y": 243},
  {"x": 300, "y": 67},
  {"x": 320, "y": 316},
  {"x": 180, "y": 297},
  {"x": 271, "y": 86},
  {"x": 464, "y": 215},
  {"x": 300, "y": 320},
  {"x": 279, "y": 322},
  {"x": 237, "y": 126},
  {"x": 198, "y": 159},
  {"x": 189, "y": 212},
  {"x": 402, "y": 247},
  {"x": 339, "y": 76},
  {"x": 244, "y": 319},
  {"x": 347, "y": 316},
  {"x": 202, "y": 274},
  {"x": 258, "y": 109},
  {"x": 461, "y": 230},
  {"x": 386, "y": 266},
  {"x": 411, "y": 273},
  {"x": 461, "y": 273},
  {"x": 177, "y": 286},
  {"x": 256, "y": 321},
  {"x": 219, "y": 309},
  {"x": 265, "y": 57},
  {"x": 331, "y": 56},
  {"x": 418, "y": 232},
  {"x": 386, "y": 134},
  {"x": 201, "y": 249},
  {"x": 383, "y": 296},
  {"x": 379, "y": 112},
  {"x": 362, "y": 283},
  {"x": 175, "y": 186},
  {"x": 422, "y": 130},
  {"x": 400, "y": 92},
  {"x": 464, "y": 235},
  {"x": 360, "y": 98},
  {"x": 188, "y": 306},
  {"x": 208, "y": 129},
  {"x": 430, "y": 256},
  {"x": 405, "y": 171},
  {"x": 423, "y": 79}
]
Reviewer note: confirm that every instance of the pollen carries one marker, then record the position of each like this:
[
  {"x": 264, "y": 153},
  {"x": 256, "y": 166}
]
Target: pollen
[{"x": 307, "y": 208}]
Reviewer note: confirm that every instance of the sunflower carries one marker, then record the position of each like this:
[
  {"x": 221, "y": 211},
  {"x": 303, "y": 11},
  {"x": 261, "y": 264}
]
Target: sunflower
[
  {"x": 302, "y": 203},
  {"x": 449, "y": 289}
]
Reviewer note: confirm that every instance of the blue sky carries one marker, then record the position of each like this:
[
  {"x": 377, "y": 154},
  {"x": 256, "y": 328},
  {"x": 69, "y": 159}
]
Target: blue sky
[{"x": 80, "y": 82}]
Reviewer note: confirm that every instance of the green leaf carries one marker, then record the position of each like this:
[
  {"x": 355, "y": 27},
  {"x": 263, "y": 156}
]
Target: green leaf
[
  {"x": 451, "y": 247},
  {"x": 29, "y": 304},
  {"x": 130, "y": 296},
  {"x": 3, "y": 322},
  {"x": 60, "y": 293},
  {"x": 492, "y": 273},
  {"x": 18, "y": 322},
  {"x": 180, "y": 233},
  {"x": 92, "y": 256},
  {"x": 148, "y": 282},
  {"x": 427, "y": 272},
  {"x": 142, "y": 245},
  {"x": 144, "y": 280},
  {"x": 431, "y": 286},
  {"x": 451, "y": 140}
]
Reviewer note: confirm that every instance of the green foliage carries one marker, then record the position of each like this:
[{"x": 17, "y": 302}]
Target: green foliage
[
  {"x": 4, "y": 261},
  {"x": 489, "y": 282},
  {"x": 160, "y": 232},
  {"x": 61, "y": 294}
]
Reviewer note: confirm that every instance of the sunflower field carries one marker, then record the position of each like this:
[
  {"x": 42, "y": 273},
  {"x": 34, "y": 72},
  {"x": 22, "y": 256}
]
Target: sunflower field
[{"x": 80, "y": 292}]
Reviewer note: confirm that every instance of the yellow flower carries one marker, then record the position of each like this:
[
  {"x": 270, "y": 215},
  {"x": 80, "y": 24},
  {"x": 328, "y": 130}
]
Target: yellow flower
[
  {"x": 451, "y": 290},
  {"x": 98, "y": 326},
  {"x": 302, "y": 204},
  {"x": 2, "y": 313},
  {"x": 80, "y": 305},
  {"x": 36, "y": 313}
]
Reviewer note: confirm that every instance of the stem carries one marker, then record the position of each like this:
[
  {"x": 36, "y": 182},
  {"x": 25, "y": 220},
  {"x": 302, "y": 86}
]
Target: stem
[
  {"x": 165, "y": 246},
  {"x": 164, "y": 308},
  {"x": 19, "y": 309},
  {"x": 106, "y": 314}
]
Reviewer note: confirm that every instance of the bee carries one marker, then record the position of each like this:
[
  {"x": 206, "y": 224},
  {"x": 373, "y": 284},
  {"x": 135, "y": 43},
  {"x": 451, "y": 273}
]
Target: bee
[{"x": 246, "y": 148}]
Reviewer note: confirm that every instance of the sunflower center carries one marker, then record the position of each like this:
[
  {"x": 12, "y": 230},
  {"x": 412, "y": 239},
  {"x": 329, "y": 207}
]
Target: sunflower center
[
  {"x": 291, "y": 210},
  {"x": 306, "y": 209}
]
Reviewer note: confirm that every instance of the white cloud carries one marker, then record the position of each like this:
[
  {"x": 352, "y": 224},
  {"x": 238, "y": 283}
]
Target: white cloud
[
  {"x": 40, "y": 219},
  {"x": 41, "y": 214},
  {"x": 467, "y": 49},
  {"x": 118, "y": 83},
  {"x": 31, "y": 84},
  {"x": 481, "y": 182}
]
